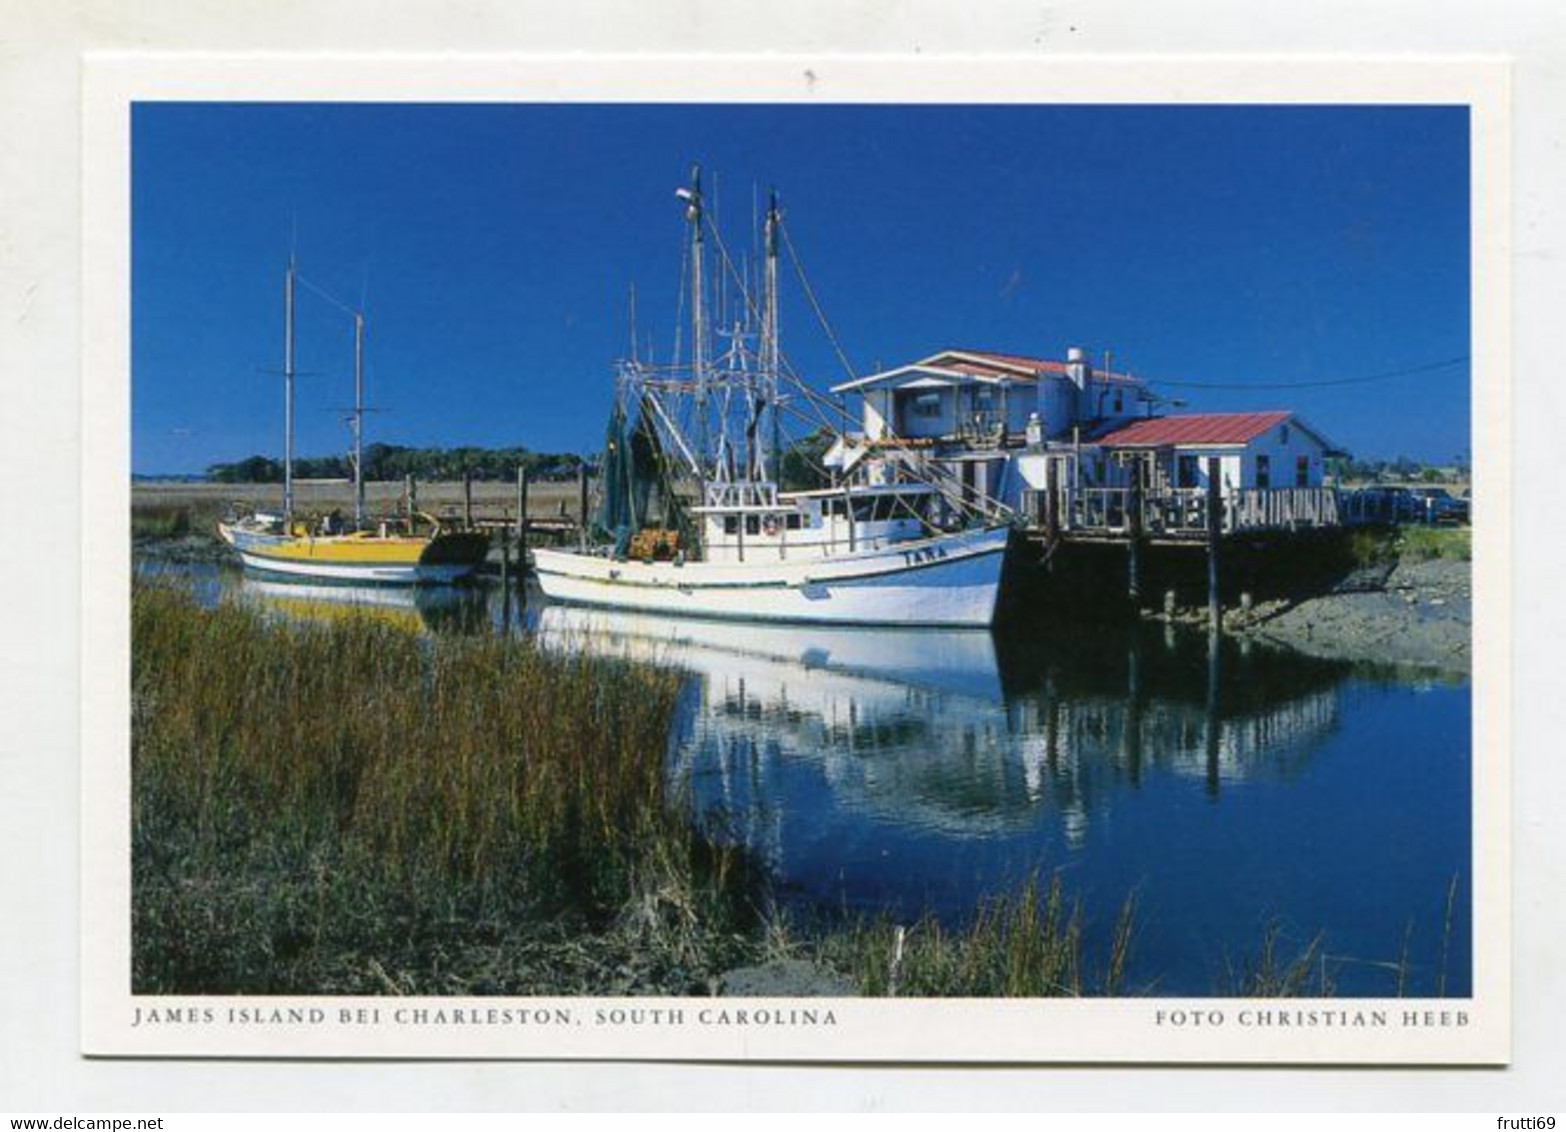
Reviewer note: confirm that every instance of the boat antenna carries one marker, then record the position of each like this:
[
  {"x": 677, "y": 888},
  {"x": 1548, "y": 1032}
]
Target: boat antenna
[
  {"x": 633, "y": 323},
  {"x": 288, "y": 391}
]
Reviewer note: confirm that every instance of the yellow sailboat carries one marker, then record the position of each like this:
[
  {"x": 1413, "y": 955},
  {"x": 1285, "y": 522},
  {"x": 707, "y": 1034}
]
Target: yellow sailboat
[{"x": 411, "y": 549}]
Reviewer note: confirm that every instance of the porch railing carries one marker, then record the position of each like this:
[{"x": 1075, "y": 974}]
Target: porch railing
[{"x": 1182, "y": 512}]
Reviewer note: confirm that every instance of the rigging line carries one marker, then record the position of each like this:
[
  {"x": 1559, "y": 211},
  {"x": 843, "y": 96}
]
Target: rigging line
[
  {"x": 1360, "y": 380},
  {"x": 810, "y": 295},
  {"x": 783, "y": 360},
  {"x": 950, "y": 489},
  {"x": 327, "y": 295}
]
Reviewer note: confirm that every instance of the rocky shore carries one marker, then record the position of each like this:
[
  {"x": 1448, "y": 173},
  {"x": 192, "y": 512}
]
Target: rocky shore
[{"x": 1417, "y": 613}]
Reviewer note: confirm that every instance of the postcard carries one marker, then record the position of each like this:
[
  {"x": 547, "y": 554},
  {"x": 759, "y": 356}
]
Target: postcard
[{"x": 969, "y": 559}]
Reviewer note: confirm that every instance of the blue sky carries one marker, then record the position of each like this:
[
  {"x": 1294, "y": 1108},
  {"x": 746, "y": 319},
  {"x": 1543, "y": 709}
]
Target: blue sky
[{"x": 494, "y": 247}]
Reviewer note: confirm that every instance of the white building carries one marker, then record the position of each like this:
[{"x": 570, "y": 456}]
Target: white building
[{"x": 994, "y": 422}]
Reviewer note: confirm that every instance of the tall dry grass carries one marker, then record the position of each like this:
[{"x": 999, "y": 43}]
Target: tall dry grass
[{"x": 348, "y": 806}]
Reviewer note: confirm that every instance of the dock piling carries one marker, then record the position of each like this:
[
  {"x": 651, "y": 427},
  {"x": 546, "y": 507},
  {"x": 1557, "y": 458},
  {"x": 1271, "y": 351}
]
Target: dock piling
[
  {"x": 521, "y": 520},
  {"x": 1134, "y": 535},
  {"x": 1214, "y": 533},
  {"x": 467, "y": 498},
  {"x": 581, "y": 487}
]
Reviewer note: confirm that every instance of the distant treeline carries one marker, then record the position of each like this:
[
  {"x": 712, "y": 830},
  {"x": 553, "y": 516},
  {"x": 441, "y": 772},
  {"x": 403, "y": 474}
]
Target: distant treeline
[
  {"x": 393, "y": 462},
  {"x": 1400, "y": 470}
]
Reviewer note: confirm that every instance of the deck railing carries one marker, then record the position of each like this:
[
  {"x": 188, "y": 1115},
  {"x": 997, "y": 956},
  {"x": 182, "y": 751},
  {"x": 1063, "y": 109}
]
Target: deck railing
[{"x": 1182, "y": 512}]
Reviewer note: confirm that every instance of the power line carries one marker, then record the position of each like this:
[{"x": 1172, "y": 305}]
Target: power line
[{"x": 1362, "y": 379}]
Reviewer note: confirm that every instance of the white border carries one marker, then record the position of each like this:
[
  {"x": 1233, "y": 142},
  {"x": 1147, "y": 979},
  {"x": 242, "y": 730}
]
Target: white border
[{"x": 1099, "y": 1030}]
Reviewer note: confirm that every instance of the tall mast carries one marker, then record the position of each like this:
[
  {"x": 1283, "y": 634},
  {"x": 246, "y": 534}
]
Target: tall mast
[
  {"x": 288, "y": 393},
  {"x": 358, "y": 420},
  {"x": 770, "y": 351},
  {"x": 693, "y": 216}
]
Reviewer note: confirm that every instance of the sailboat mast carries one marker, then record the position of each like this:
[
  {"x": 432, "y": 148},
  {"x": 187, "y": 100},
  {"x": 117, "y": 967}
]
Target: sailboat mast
[
  {"x": 770, "y": 351},
  {"x": 288, "y": 393},
  {"x": 358, "y": 420},
  {"x": 698, "y": 325}
]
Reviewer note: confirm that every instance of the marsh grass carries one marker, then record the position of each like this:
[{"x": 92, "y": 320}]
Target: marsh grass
[
  {"x": 1422, "y": 544},
  {"x": 352, "y": 808},
  {"x": 160, "y": 522},
  {"x": 1409, "y": 543},
  {"x": 1025, "y": 945}
]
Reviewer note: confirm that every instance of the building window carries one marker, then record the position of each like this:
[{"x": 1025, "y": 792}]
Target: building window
[
  {"x": 1188, "y": 472},
  {"x": 1263, "y": 471},
  {"x": 1283, "y": 435},
  {"x": 1119, "y": 402},
  {"x": 1302, "y": 472},
  {"x": 927, "y": 405}
]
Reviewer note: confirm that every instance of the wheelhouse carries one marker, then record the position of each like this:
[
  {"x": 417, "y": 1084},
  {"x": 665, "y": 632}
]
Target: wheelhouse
[{"x": 755, "y": 522}]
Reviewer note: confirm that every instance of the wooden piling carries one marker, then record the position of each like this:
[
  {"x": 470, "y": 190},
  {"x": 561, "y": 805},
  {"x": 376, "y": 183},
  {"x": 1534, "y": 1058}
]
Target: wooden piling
[
  {"x": 1134, "y": 534},
  {"x": 1051, "y": 501},
  {"x": 467, "y": 499},
  {"x": 410, "y": 493},
  {"x": 521, "y": 521},
  {"x": 521, "y": 509},
  {"x": 1214, "y": 535},
  {"x": 581, "y": 502}
]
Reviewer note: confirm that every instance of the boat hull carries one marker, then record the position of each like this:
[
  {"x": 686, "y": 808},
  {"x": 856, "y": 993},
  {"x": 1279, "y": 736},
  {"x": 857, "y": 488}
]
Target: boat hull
[
  {"x": 951, "y": 580},
  {"x": 352, "y": 559}
]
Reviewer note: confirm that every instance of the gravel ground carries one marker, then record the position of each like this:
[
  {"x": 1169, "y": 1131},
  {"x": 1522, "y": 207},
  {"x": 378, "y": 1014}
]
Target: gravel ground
[{"x": 1416, "y": 613}]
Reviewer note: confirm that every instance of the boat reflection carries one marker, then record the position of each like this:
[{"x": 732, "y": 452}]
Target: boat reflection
[
  {"x": 421, "y": 609},
  {"x": 958, "y": 734}
]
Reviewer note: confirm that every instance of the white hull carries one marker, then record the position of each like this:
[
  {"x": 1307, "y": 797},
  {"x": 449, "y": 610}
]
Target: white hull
[
  {"x": 950, "y": 580},
  {"x": 390, "y": 573}
]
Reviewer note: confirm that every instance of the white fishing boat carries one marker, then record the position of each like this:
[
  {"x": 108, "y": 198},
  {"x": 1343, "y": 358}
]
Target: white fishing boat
[{"x": 706, "y": 436}]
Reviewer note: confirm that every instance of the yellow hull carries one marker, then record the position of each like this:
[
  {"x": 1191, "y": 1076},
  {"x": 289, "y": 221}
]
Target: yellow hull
[{"x": 359, "y": 556}]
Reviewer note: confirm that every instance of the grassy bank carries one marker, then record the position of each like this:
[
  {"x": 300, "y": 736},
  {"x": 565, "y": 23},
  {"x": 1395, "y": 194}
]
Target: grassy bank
[
  {"x": 351, "y": 808},
  {"x": 1389, "y": 546}
]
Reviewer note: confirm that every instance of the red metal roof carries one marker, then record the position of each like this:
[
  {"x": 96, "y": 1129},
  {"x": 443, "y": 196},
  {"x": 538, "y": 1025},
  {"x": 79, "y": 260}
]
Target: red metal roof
[
  {"x": 1194, "y": 428},
  {"x": 1037, "y": 365}
]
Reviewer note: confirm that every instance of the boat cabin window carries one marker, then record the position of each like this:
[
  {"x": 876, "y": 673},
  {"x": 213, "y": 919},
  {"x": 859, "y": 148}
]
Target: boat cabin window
[
  {"x": 882, "y": 508},
  {"x": 753, "y": 524},
  {"x": 730, "y": 524},
  {"x": 794, "y": 520}
]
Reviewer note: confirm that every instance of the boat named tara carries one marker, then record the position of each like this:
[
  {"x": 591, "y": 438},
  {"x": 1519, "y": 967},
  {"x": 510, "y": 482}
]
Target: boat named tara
[{"x": 705, "y": 438}]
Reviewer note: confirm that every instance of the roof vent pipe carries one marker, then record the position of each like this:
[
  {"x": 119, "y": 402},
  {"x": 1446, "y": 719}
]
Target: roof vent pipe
[{"x": 1078, "y": 368}]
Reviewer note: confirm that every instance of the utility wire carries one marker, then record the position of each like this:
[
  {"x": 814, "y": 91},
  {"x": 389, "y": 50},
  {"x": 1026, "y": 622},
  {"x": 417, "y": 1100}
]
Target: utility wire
[{"x": 1360, "y": 380}]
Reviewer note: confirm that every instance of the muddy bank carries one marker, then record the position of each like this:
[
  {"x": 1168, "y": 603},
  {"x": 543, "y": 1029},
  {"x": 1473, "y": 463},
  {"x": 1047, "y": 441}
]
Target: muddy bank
[{"x": 1407, "y": 613}]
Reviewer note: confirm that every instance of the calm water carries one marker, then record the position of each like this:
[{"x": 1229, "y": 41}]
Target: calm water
[{"x": 921, "y": 770}]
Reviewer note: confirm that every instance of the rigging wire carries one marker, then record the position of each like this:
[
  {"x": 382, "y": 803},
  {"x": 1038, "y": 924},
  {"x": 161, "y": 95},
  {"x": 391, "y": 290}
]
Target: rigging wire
[
  {"x": 945, "y": 482},
  {"x": 810, "y": 295}
]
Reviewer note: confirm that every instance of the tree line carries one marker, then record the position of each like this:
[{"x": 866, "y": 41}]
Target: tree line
[
  {"x": 1399, "y": 470},
  {"x": 386, "y": 462}
]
